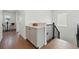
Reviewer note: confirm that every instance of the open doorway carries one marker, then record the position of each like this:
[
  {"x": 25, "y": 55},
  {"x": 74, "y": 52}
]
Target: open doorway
[
  {"x": 9, "y": 20},
  {"x": 8, "y": 28}
]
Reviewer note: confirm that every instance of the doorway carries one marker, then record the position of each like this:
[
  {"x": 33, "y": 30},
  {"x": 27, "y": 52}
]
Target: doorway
[
  {"x": 8, "y": 28},
  {"x": 9, "y": 20}
]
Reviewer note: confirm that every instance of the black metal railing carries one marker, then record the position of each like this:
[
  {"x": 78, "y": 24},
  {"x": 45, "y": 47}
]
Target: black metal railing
[{"x": 56, "y": 32}]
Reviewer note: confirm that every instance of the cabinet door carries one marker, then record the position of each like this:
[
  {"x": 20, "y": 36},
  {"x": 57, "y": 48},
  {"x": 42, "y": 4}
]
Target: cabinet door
[
  {"x": 40, "y": 37},
  {"x": 49, "y": 32},
  {"x": 33, "y": 36}
]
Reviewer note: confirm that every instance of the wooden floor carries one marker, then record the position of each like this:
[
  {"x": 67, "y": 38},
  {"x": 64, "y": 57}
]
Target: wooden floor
[{"x": 13, "y": 41}]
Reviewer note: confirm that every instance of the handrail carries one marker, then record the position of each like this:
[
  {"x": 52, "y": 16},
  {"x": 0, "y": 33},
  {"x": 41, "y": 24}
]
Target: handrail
[{"x": 54, "y": 27}]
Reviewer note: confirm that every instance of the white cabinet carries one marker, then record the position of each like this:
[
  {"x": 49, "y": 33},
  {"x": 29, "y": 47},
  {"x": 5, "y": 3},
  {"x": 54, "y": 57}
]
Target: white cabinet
[{"x": 36, "y": 35}]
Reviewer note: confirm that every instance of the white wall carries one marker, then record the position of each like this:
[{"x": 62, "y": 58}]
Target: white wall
[
  {"x": 38, "y": 16},
  {"x": 68, "y": 32},
  {"x": 1, "y": 18},
  {"x": 17, "y": 22}
]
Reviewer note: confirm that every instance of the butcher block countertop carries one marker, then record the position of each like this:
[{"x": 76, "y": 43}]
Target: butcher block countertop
[{"x": 59, "y": 44}]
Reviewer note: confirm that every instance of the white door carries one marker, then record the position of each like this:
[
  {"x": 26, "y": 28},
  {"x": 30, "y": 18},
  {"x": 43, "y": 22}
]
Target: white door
[
  {"x": 1, "y": 17},
  {"x": 20, "y": 24}
]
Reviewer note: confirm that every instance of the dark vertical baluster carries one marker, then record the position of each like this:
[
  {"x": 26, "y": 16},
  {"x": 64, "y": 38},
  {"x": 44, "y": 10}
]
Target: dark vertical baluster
[
  {"x": 7, "y": 26},
  {"x": 53, "y": 31}
]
